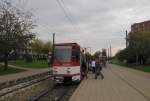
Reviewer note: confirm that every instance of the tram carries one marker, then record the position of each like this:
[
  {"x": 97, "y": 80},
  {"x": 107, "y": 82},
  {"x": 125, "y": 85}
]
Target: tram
[{"x": 66, "y": 64}]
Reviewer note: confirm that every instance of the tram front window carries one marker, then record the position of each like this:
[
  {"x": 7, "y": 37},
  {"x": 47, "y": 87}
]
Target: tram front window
[{"x": 62, "y": 54}]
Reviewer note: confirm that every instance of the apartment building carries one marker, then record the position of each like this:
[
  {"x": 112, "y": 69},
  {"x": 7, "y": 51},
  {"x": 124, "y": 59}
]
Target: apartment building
[{"x": 141, "y": 27}]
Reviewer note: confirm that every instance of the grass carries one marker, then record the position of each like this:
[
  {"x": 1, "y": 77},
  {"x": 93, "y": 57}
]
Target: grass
[
  {"x": 9, "y": 71},
  {"x": 33, "y": 65},
  {"x": 145, "y": 68}
]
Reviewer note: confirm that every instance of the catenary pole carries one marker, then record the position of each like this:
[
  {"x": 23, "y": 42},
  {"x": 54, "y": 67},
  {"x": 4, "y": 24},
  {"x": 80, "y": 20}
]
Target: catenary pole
[
  {"x": 53, "y": 47},
  {"x": 126, "y": 38}
]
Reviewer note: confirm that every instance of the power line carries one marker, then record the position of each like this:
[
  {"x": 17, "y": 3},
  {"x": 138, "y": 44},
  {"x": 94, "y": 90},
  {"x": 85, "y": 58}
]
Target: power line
[
  {"x": 70, "y": 14},
  {"x": 66, "y": 13},
  {"x": 67, "y": 9},
  {"x": 69, "y": 17}
]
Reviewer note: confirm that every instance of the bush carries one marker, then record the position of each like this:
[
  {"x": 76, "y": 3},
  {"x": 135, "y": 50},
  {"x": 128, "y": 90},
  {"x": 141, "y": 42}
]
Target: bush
[
  {"x": 121, "y": 55},
  {"x": 148, "y": 61},
  {"x": 28, "y": 58}
]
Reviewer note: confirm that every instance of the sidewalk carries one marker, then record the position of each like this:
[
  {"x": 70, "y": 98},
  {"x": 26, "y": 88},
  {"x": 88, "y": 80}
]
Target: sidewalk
[
  {"x": 30, "y": 72},
  {"x": 119, "y": 84}
]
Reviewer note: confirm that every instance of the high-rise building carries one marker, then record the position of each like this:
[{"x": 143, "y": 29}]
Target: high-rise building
[{"x": 141, "y": 27}]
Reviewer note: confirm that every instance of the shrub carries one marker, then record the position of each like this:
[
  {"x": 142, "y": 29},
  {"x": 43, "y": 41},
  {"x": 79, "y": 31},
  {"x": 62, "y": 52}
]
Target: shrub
[{"x": 28, "y": 58}]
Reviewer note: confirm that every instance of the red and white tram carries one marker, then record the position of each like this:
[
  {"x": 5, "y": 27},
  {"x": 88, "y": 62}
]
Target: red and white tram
[{"x": 66, "y": 64}]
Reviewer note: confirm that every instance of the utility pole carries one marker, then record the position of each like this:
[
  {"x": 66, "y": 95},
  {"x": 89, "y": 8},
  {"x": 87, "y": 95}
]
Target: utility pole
[
  {"x": 126, "y": 38},
  {"x": 110, "y": 51},
  {"x": 53, "y": 47}
]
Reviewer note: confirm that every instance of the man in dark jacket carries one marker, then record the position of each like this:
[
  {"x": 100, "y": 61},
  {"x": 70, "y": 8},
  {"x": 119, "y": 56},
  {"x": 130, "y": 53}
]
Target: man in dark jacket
[
  {"x": 83, "y": 65},
  {"x": 98, "y": 69}
]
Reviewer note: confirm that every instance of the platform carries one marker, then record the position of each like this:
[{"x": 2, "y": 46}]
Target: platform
[{"x": 119, "y": 84}]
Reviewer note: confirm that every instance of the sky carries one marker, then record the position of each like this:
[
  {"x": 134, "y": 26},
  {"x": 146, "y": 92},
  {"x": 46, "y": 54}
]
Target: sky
[{"x": 91, "y": 23}]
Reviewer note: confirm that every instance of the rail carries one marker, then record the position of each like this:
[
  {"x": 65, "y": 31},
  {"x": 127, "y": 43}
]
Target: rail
[{"x": 14, "y": 88}]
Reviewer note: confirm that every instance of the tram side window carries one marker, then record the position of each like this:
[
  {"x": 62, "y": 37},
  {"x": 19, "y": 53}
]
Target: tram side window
[{"x": 76, "y": 56}]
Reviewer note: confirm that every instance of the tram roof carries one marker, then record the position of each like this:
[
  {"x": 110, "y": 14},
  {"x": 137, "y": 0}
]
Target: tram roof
[{"x": 67, "y": 44}]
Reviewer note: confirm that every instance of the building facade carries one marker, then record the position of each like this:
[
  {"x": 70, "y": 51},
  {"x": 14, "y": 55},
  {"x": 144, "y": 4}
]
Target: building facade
[{"x": 141, "y": 27}]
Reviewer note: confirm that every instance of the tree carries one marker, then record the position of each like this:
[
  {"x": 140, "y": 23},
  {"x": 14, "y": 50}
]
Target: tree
[
  {"x": 41, "y": 47},
  {"x": 121, "y": 55},
  {"x": 15, "y": 29},
  {"x": 138, "y": 49},
  {"x": 37, "y": 46},
  {"x": 47, "y": 47},
  {"x": 97, "y": 54},
  {"x": 139, "y": 45}
]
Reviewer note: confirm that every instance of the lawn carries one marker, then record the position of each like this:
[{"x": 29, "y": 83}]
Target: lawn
[
  {"x": 145, "y": 68},
  {"x": 34, "y": 64},
  {"x": 9, "y": 71}
]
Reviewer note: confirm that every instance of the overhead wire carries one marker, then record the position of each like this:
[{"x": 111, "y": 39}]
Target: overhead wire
[
  {"x": 70, "y": 18},
  {"x": 67, "y": 15},
  {"x": 73, "y": 18}
]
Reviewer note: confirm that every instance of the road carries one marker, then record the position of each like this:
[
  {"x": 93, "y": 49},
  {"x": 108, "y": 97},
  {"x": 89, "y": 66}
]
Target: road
[{"x": 119, "y": 84}]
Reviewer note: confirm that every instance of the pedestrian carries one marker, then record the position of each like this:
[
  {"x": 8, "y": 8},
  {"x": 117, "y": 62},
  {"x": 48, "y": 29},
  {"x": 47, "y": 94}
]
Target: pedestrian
[
  {"x": 98, "y": 69},
  {"x": 83, "y": 65},
  {"x": 90, "y": 66},
  {"x": 93, "y": 66},
  {"x": 84, "y": 69},
  {"x": 49, "y": 60}
]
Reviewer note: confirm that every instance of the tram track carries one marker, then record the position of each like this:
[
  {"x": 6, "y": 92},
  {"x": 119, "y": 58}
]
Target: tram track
[
  {"x": 19, "y": 86},
  {"x": 60, "y": 92}
]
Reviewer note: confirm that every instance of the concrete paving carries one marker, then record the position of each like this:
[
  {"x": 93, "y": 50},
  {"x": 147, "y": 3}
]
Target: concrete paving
[{"x": 119, "y": 84}]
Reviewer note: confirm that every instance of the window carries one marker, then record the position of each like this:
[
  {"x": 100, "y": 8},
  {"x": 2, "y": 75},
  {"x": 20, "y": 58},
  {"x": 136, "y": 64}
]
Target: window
[
  {"x": 76, "y": 55},
  {"x": 62, "y": 54}
]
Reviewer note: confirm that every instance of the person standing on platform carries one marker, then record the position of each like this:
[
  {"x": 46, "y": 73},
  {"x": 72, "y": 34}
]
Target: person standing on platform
[
  {"x": 98, "y": 69},
  {"x": 93, "y": 66},
  {"x": 83, "y": 65}
]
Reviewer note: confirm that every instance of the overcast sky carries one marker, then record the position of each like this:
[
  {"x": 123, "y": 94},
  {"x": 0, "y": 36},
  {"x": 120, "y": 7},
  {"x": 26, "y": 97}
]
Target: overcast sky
[{"x": 94, "y": 23}]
